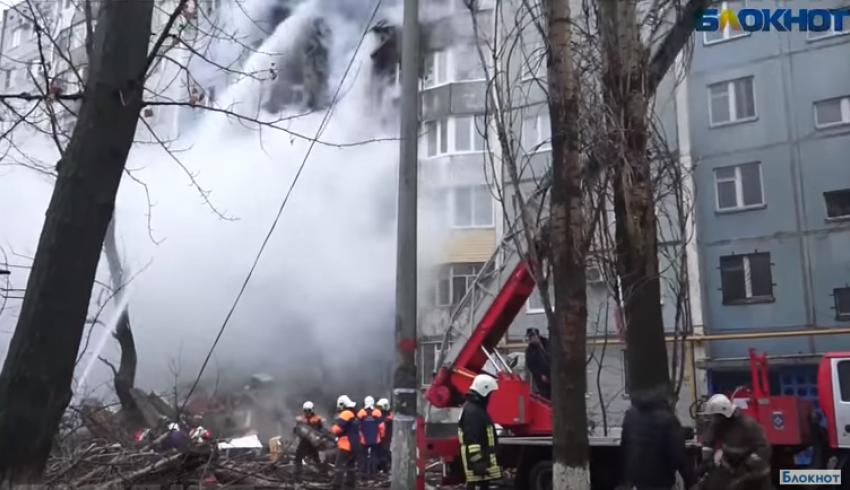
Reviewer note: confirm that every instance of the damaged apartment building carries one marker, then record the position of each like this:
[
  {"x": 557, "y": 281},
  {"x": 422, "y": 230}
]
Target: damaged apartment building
[
  {"x": 459, "y": 179},
  {"x": 296, "y": 78}
]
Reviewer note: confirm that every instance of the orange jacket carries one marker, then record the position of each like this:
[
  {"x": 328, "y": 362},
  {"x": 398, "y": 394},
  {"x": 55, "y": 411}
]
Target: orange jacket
[
  {"x": 386, "y": 424},
  {"x": 314, "y": 420},
  {"x": 346, "y": 429}
]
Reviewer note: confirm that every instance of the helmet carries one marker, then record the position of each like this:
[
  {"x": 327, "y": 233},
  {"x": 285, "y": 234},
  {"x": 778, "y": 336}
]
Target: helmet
[
  {"x": 369, "y": 402},
  {"x": 173, "y": 426},
  {"x": 344, "y": 402},
  {"x": 484, "y": 384},
  {"x": 384, "y": 404},
  {"x": 308, "y": 405},
  {"x": 720, "y": 405}
]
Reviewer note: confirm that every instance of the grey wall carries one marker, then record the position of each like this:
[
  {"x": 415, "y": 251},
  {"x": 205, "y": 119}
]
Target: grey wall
[{"x": 799, "y": 163}]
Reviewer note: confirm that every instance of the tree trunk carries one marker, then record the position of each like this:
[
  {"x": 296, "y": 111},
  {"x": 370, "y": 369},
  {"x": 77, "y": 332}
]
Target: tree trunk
[
  {"x": 569, "y": 335},
  {"x": 35, "y": 384},
  {"x": 636, "y": 233}
]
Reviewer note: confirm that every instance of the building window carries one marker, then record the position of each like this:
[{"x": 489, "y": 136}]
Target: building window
[
  {"x": 472, "y": 207},
  {"x": 536, "y": 133},
  {"x": 814, "y": 36},
  {"x": 20, "y": 34},
  {"x": 534, "y": 305},
  {"x": 429, "y": 353},
  {"x": 454, "y": 281},
  {"x": 469, "y": 134},
  {"x": 842, "y": 303},
  {"x": 739, "y": 187},
  {"x": 8, "y": 78},
  {"x": 732, "y": 101},
  {"x": 746, "y": 278},
  {"x": 436, "y": 69},
  {"x": 534, "y": 61},
  {"x": 727, "y": 32},
  {"x": 832, "y": 112},
  {"x": 466, "y": 62},
  {"x": 837, "y": 204},
  {"x": 459, "y": 134}
]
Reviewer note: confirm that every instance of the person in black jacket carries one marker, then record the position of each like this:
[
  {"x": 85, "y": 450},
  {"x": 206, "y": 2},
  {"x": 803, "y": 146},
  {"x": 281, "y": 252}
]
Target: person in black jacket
[
  {"x": 537, "y": 362},
  {"x": 477, "y": 435},
  {"x": 653, "y": 444}
]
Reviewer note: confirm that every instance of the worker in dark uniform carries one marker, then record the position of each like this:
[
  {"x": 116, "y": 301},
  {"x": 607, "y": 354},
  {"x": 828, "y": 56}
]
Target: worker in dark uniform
[
  {"x": 347, "y": 431},
  {"x": 370, "y": 418},
  {"x": 653, "y": 444},
  {"x": 745, "y": 460},
  {"x": 305, "y": 449},
  {"x": 386, "y": 435},
  {"x": 477, "y": 435},
  {"x": 537, "y": 362}
]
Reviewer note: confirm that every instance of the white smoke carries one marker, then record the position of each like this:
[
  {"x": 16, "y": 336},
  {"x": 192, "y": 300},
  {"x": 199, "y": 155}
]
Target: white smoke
[{"x": 320, "y": 306}]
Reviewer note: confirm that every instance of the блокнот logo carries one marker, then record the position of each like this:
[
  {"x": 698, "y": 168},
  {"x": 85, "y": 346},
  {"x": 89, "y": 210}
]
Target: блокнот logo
[
  {"x": 809, "y": 477},
  {"x": 782, "y": 20}
]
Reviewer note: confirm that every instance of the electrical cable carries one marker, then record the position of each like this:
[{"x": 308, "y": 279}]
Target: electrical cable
[{"x": 319, "y": 131}]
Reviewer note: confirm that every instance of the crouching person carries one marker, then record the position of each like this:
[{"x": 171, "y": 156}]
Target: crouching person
[
  {"x": 477, "y": 434},
  {"x": 347, "y": 431},
  {"x": 305, "y": 449}
]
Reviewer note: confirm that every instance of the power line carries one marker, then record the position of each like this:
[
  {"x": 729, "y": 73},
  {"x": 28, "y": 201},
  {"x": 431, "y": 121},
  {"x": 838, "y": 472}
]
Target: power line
[{"x": 313, "y": 141}]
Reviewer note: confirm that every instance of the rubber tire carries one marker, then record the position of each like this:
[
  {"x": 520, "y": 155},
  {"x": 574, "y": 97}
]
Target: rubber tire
[{"x": 540, "y": 476}]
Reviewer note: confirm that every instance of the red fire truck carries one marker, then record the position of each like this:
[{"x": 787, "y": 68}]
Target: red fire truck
[{"x": 526, "y": 419}]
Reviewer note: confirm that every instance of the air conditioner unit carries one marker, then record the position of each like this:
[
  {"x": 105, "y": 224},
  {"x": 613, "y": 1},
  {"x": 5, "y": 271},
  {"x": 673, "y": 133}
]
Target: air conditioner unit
[{"x": 594, "y": 274}]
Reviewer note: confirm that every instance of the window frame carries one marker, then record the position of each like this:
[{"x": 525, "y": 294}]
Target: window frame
[
  {"x": 434, "y": 347},
  {"x": 830, "y": 34},
  {"x": 826, "y": 205},
  {"x": 440, "y": 78},
  {"x": 844, "y": 108},
  {"x": 542, "y": 144},
  {"x": 836, "y": 298},
  {"x": 537, "y": 57},
  {"x": 18, "y": 35},
  {"x": 738, "y": 180},
  {"x": 727, "y": 34},
  {"x": 447, "y": 273},
  {"x": 452, "y": 207},
  {"x": 732, "y": 99},
  {"x": 747, "y": 272},
  {"x": 529, "y": 309},
  {"x": 451, "y": 123},
  {"x": 473, "y": 134}
]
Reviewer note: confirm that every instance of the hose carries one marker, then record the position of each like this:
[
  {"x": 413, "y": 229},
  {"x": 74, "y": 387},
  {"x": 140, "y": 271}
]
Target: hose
[{"x": 697, "y": 407}]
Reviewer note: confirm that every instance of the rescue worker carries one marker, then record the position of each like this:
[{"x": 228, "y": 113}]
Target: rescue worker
[
  {"x": 653, "y": 444},
  {"x": 745, "y": 459},
  {"x": 537, "y": 362},
  {"x": 477, "y": 435},
  {"x": 370, "y": 419},
  {"x": 345, "y": 428},
  {"x": 386, "y": 435},
  {"x": 305, "y": 449}
]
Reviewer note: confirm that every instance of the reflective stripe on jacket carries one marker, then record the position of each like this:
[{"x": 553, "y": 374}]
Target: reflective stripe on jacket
[
  {"x": 346, "y": 429},
  {"x": 371, "y": 420},
  {"x": 478, "y": 443}
]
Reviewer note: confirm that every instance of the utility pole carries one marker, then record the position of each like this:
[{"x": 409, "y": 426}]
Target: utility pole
[{"x": 405, "y": 381}]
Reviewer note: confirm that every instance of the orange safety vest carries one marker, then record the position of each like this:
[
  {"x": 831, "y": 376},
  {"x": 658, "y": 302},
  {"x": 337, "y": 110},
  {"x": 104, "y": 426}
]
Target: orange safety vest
[
  {"x": 346, "y": 429},
  {"x": 315, "y": 421}
]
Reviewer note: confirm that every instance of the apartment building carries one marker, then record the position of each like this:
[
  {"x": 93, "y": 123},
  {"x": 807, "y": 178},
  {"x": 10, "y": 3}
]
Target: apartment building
[
  {"x": 770, "y": 122},
  {"x": 460, "y": 175}
]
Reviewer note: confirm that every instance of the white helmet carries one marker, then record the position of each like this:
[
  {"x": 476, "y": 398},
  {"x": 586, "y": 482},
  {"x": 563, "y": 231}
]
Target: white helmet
[
  {"x": 720, "y": 404},
  {"x": 484, "y": 384},
  {"x": 384, "y": 404},
  {"x": 344, "y": 402},
  {"x": 308, "y": 405},
  {"x": 369, "y": 402},
  {"x": 173, "y": 426}
]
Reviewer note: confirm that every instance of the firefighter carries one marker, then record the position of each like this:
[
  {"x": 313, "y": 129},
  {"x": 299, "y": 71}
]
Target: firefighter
[
  {"x": 477, "y": 435},
  {"x": 345, "y": 427},
  {"x": 386, "y": 435},
  {"x": 305, "y": 449},
  {"x": 745, "y": 452},
  {"x": 537, "y": 362},
  {"x": 370, "y": 419},
  {"x": 653, "y": 444}
]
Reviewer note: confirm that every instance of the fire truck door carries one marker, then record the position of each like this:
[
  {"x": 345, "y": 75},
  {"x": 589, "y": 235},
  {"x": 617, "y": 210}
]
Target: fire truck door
[{"x": 841, "y": 399}]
